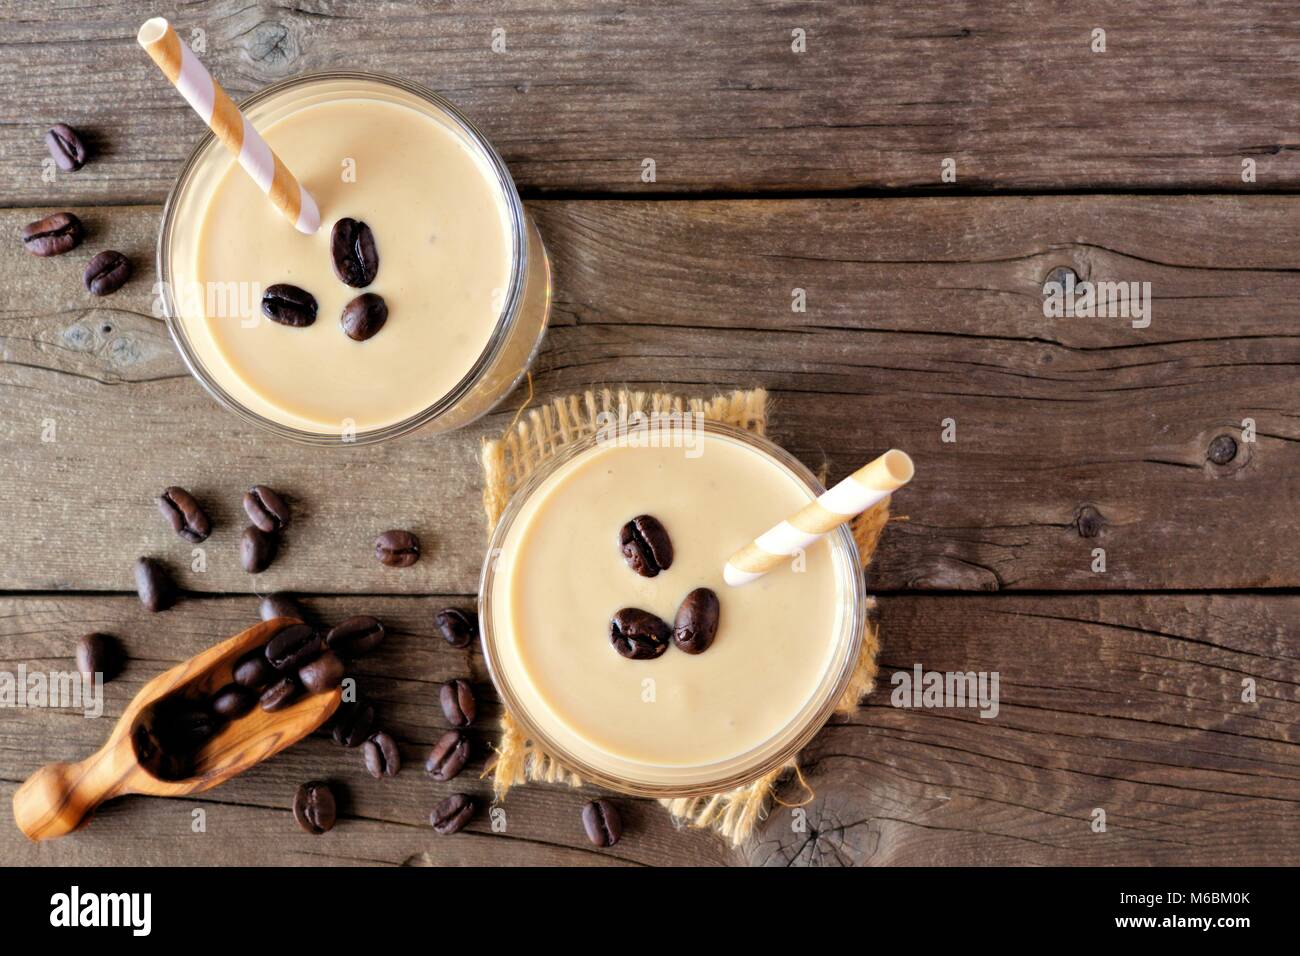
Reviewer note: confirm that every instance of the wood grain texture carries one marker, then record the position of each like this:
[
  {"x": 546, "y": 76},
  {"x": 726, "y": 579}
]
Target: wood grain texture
[
  {"x": 1130, "y": 703},
  {"x": 1072, "y": 434},
  {"x": 713, "y": 92}
]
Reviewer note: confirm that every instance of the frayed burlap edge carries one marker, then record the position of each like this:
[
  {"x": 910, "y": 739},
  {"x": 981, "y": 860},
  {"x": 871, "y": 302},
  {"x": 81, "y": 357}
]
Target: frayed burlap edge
[{"x": 535, "y": 436}]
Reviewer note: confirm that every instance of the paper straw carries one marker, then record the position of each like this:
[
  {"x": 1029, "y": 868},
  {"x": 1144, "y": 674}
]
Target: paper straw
[
  {"x": 852, "y": 496},
  {"x": 210, "y": 101}
]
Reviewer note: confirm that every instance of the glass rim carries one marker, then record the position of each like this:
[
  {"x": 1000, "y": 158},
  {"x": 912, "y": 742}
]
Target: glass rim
[
  {"x": 753, "y": 768},
  {"x": 510, "y": 309}
]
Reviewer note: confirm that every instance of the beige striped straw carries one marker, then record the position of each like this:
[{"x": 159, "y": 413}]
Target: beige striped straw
[
  {"x": 852, "y": 496},
  {"x": 210, "y": 101}
]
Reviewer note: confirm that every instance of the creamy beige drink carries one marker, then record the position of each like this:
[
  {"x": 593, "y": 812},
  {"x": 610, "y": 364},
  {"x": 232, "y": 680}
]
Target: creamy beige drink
[{"x": 560, "y": 576}]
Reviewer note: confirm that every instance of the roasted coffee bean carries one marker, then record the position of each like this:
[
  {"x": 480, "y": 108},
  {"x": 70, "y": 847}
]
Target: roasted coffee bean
[
  {"x": 253, "y": 670},
  {"x": 280, "y": 604},
  {"x": 154, "y": 585},
  {"x": 257, "y": 550},
  {"x": 183, "y": 726},
  {"x": 54, "y": 235},
  {"x": 233, "y": 700},
  {"x": 99, "y": 654},
  {"x": 356, "y": 636},
  {"x": 314, "y": 808},
  {"x": 352, "y": 723},
  {"x": 639, "y": 634},
  {"x": 287, "y": 304},
  {"x": 448, "y": 756},
  {"x": 383, "y": 759},
  {"x": 184, "y": 514},
  {"x": 364, "y": 316},
  {"x": 292, "y": 647},
  {"x": 265, "y": 508},
  {"x": 353, "y": 253},
  {"x": 458, "y": 705},
  {"x": 280, "y": 694},
  {"x": 646, "y": 546},
  {"x": 107, "y": 272},
  {"x": 149, "y": 752},
  {"x": 66, "y": 146},
  {"x": 322, "y": 674},
  {"x": 451, "y": 815},
  {"x": 459, "y": 628},
  {"x": 602, "y": 821},
  {"x": 696, "y": 624},
  {"x": 397, "y": 549}
]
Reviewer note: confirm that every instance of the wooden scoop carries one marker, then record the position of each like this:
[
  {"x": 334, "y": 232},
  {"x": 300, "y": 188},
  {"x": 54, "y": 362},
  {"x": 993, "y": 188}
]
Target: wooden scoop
[{"x": 62, "y": 797}]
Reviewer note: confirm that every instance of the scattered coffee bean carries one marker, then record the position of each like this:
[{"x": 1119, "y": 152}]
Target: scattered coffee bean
[
  {"x": 646, "y": 546},
  {"x": 294, "y": 646},
  {"x": 54, "y": 235},
  {"x": 322, "y": 674},
  {"x": 383, "y": 759},
  {"x": 451, "y": 815},
  {"x": 696, "y": 624},
  {"x": 397, "y": 549},
  {"x": 314, "y": 808},
  {"x": 602, "y": 821},
  {"x": 458, "y": 705},
  {"x": 107, "y": 272},
  {"x": 99, "y": 654},
  {"x": 364, "y": 316},
  {"x": 66, "y": 146},
  {"x": 256, "y": 550},
  {"x": 184, "y": 514},
  {"x": 356, "y": 636},
  {"x": 253, "y": 670},
  {"x": 233, "y": 700},
  {"x": 280, "y": 604},
  {"x": 154, "y": 585},
  {"x": 265, "y": 508},
  {"x": 352, "y": 723},
  {"x": 353, "y": 253},
  {"x": 280, "y": 694},
  {"x": 638, "y": 634},
  {"x": 459, "y": 628},
  {"x": 448, "y": 756},
  {"x": 289, "y": 305}
]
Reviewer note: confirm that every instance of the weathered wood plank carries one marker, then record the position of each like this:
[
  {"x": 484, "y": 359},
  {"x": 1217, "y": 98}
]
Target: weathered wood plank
[
  {"x": 1072, "y": 434},
  {"x": 1130, "y": 703},
  {"x": 713, "y": 92}
]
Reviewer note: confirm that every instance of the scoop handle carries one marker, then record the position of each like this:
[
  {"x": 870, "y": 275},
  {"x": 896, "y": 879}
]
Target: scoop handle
[{"x": 60, "y": 798}]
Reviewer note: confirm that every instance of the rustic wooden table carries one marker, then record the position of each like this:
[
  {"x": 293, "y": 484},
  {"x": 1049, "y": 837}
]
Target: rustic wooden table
[{"x": 776, "y": 169}]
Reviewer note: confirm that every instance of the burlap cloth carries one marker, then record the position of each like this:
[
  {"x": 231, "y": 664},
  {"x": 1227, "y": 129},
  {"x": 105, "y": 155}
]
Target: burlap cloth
[{"x": 538, "y": 434}]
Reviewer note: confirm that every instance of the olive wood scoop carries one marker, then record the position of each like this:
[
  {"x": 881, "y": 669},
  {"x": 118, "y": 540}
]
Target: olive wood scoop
[{"x": 61, "y": 797}]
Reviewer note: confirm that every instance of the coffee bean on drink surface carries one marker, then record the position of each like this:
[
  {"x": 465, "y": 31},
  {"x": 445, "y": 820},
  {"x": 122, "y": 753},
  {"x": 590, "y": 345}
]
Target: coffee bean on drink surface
[
  {"x": 154, "y": 585},
  {"x": 107, "y": 272},
  {"x": 356, "y": 636},
  {"x": 233, "y": 700},
  {"x": 54, "y": 235},
  {"x": 638, "y": 634},
  {"x": 265, "y": 508},
  {"x": 696, "y": 624},
  {"x": 451, "y": 815},
  {"x": 280, "y": 604},
  {"x": 352, "y": 723},
  {"x": 279, "y": 695},
  {"x": 184, "y": 514},
  {"x": 253, "y": 670},
  {"x": 448, "y": 756},
  {"x": 322, "y": 674},
  {"x": 292, "y": 647},
  {"x": 458, "y": 705},
  {"x": 99, "y": 654},
  {"x": 601, "y": 820},
  {"x": 256, "y": 550},
  {"x": 364, "y": 316},
  {"x": 382, "y": 756},
  {"x": 646, "y": 546},
  {"x": 397, "y": 549},
  {"x": 314, "y": 808},
  {"x": 459, "y": 628},
  {"x": 353, "y": 253},
  {"x": 66, "y": 146},
  {"x": 289, "y": 305}
]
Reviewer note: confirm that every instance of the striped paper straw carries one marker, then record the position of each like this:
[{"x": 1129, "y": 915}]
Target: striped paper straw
[
  {"x": 210, "y": 101},
  {"x": 852, "y": 496}
]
